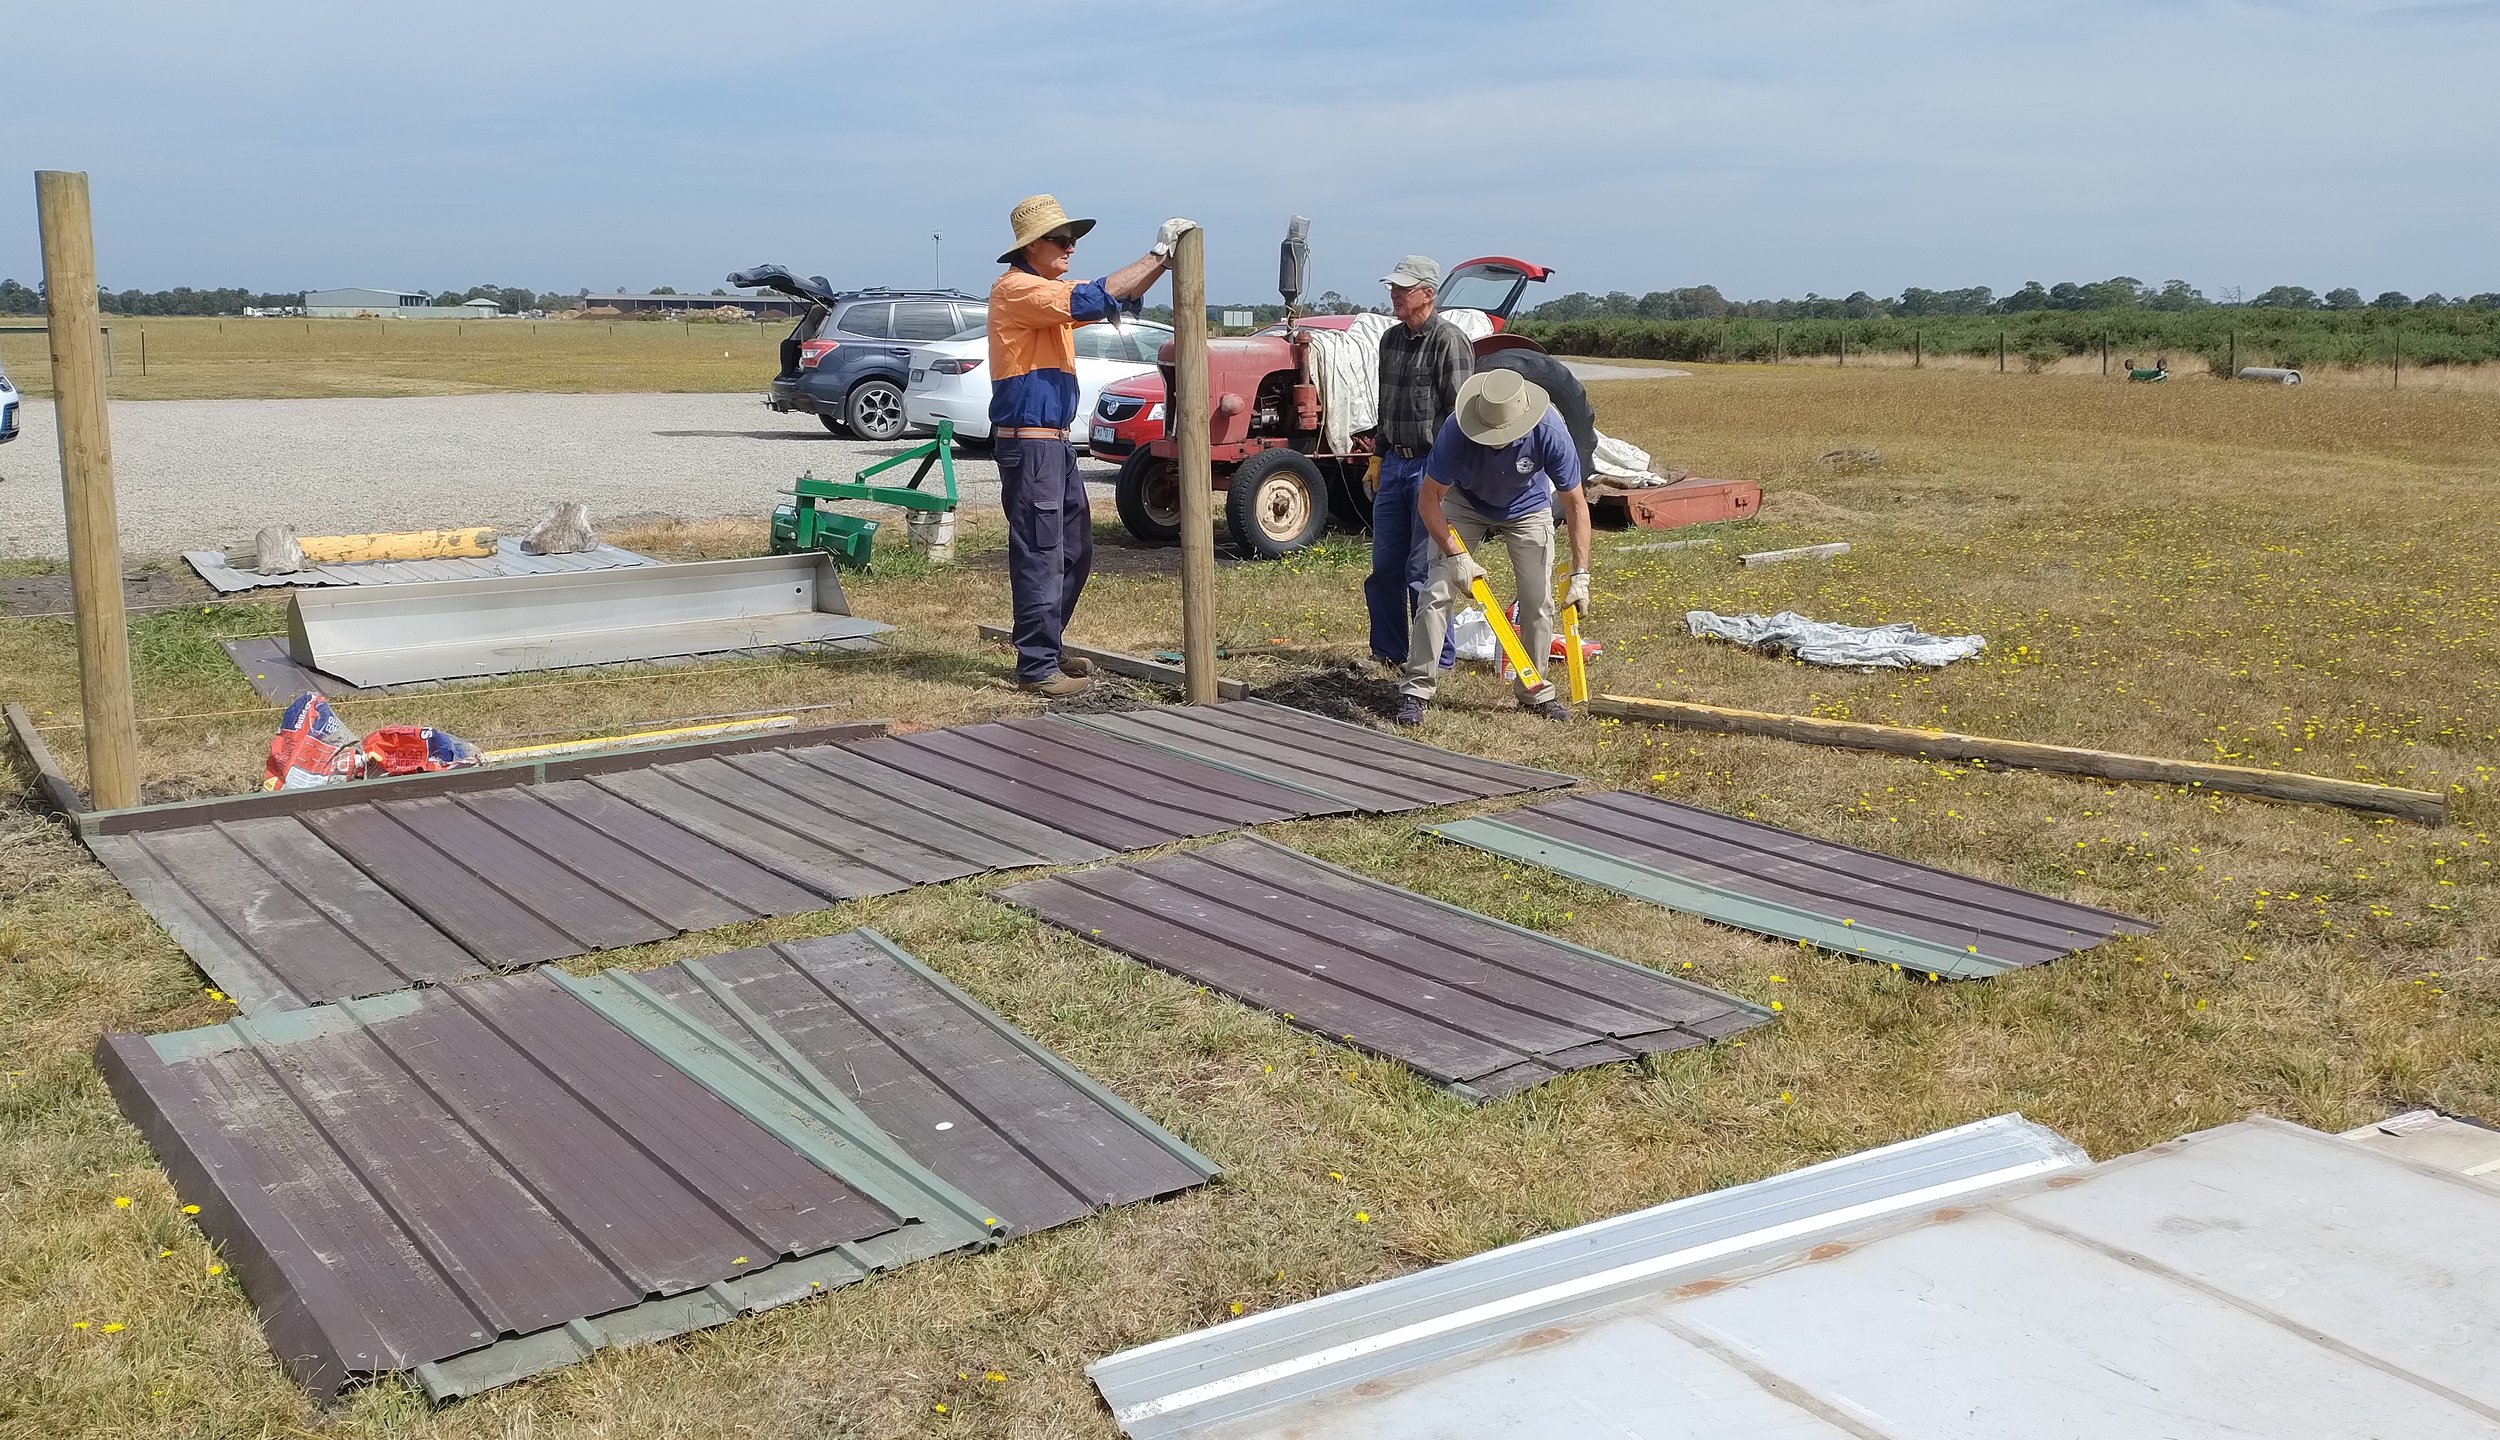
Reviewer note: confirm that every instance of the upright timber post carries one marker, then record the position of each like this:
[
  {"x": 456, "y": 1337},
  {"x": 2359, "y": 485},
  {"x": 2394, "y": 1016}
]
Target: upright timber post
[
  {"x": 1197, "y": 477},
  {"x": 95, "y": 557}
]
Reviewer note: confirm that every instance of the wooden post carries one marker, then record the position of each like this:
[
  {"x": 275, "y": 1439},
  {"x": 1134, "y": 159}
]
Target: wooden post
[
  {"x": 2400, "y": 359},
  {"x": 143, "y": 352},
  {"x": 1197, "y": 477},
  {"x": 1918, "y": 349},
  {"x": 2231, "y": 367},
  {"x": 2104, "y": 354},
  {"x": 2000, "y": 352},
  {"x": 1844, "y": 347},
  {"x": 1775, "y": 345},
  {"x": 95, "y": 557}
]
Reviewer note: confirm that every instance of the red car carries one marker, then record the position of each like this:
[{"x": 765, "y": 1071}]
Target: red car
[{"x": 1293, "y": 494}]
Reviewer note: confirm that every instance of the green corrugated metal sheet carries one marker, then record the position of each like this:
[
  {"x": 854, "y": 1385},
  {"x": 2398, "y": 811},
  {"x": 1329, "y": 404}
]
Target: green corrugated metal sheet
[{"x": 1745, "y": 912}]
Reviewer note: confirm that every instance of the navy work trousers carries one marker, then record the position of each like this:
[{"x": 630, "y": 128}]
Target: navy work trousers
[
  {"x": 1401, "y": 560},
  {"x": 1050, "y": 545}
]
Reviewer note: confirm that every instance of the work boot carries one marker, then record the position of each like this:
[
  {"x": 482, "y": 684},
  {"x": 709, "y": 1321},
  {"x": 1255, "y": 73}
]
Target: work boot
[
  {"x": 1076, "y": 665},
  {"x": 1057, "y": 687},
  {"x": 1410, "y": 711},
  {"x": 1548, "y": 709}
]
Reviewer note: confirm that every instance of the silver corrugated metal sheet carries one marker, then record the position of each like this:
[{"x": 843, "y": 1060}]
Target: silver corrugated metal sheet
[
  {"x": 2255, "y": 1280},
  {"x": 446, "y": 629},
  {"x": 509, "y": 559}
]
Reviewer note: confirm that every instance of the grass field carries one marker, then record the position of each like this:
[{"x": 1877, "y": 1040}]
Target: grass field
[
  {"x": 212, "y": 359},
  {"x": 2303, "y": 579}
]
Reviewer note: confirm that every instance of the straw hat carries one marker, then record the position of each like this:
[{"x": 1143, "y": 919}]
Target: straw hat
[
  {"x": 1496, "y": 407},
  {"x": 1036, "y": 216}
]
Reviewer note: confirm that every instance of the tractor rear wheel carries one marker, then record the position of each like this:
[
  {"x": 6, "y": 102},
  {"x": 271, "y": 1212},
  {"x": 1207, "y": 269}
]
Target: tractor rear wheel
[
  {"x": 1149, "y": 496},
  {"x": 1276, "y": 503},
  {"x": 1352, "y": 485}
]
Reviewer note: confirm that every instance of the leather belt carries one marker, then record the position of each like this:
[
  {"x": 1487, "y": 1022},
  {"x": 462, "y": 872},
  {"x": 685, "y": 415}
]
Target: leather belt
[
  {"x": 1033, "y": 432},
  {"x": 1408, "y": 452}
]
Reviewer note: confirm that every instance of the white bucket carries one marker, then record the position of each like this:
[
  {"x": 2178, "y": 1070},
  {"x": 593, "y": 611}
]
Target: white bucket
[{"x": 933, "y": 534}]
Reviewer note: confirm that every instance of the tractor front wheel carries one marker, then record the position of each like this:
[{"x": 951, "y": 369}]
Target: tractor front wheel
[
  {"x": 1149, "y": 495},
  {"x": 1276, "y": 503}
]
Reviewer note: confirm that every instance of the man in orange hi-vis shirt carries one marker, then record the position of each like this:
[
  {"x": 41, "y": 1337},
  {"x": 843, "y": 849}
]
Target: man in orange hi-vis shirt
[{"x": 1034, "y": 312}]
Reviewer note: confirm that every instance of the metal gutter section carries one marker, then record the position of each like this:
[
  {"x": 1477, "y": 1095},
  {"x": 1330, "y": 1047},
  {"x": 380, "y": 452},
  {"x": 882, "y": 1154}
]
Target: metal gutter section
[
  {"x": 372, "y": 635},
  {"x": 1776, "y": 882},
  {"x": 1247, "y": 1367},
  {"x": 1480, "y": 1007}
]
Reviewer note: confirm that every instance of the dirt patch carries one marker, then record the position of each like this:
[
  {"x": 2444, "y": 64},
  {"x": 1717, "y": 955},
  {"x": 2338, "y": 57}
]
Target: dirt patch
[
  {"x": 1111, "y": 694},
  {"x": 1346, "y": 690},
  {"x": 38, "y": 597}
]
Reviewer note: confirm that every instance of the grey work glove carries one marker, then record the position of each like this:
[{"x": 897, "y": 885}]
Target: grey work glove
[
  {"x": 1170, "y": 235},
  {"x": 1578, "y": 594},
  {"x": 1462, "y": 571}
]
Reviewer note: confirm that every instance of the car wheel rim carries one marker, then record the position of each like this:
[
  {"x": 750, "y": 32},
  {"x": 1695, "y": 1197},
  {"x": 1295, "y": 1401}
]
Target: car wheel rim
[
  {"x": 1284, "y": 508},
  {"x": 882, "y": 409}
]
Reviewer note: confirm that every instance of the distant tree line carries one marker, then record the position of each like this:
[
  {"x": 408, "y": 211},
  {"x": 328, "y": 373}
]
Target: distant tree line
[
  {"x": 2120, "y": 293},
  {"x": 20, "y": 299}
]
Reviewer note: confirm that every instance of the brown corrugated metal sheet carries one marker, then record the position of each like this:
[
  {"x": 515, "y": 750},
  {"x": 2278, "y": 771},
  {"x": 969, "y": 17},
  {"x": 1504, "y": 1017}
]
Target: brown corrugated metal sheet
[
  {"x": 1482, "y": 1007},
  {"x": 856, "y": 1020},
  {"x": 1794, "y": 886},
  {"x": 1114, "y": 792},
  {"x": 298, "y": 898},
  {"x": 1351, "y": 764},
  {"x": 406, "y": 1180},
  {"x": 484, "y": 1180}
]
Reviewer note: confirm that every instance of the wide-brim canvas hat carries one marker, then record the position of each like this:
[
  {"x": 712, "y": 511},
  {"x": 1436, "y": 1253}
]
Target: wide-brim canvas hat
[
  {"x": 1496, "y": 407},
  {"x": 1036, "y": 216}
]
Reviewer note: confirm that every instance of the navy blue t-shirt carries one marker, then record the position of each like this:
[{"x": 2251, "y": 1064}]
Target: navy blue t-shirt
[{"x": 1507, "y": 482}]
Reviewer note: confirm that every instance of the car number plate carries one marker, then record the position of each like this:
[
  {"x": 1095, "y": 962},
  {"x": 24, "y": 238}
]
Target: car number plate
[{"x": 1103, "y": 435}]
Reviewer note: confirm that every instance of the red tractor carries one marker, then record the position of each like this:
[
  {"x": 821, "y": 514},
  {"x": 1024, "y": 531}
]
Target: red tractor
[{"x": 1282, "y": 484}]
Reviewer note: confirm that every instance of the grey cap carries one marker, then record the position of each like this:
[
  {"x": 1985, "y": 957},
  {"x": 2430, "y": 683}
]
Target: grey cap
[{"x": 1414, "y": 270}]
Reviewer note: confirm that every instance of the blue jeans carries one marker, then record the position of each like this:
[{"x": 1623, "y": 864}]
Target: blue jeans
[
  {"x": 1401, "y": 558},
  {"x": 1050, "y": 545}
]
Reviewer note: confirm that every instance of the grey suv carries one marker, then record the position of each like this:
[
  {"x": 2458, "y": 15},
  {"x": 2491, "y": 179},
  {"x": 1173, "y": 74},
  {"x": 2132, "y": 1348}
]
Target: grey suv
[{"x": 846, "y": 360}]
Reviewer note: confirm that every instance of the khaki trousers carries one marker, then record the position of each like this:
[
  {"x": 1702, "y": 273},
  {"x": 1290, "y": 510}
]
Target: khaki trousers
[{"x": 1529, "y": 541}]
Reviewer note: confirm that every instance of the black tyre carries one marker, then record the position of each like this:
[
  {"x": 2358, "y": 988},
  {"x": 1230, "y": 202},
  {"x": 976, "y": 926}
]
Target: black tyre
[
  {"x": 1352, "y": 485},
  {"x": 1276, "y": 503},
  {"x": 832, "y": 423},
  {"x": 874, "y": 410},
  {"x": 1149, "y": 494}
]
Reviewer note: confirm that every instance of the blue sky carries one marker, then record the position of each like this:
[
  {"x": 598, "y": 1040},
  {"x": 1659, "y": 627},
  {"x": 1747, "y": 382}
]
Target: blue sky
[{"x": 1770, "y": 148}]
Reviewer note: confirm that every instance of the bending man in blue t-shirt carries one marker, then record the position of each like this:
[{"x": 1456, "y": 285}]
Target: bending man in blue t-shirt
[{"x": 1494, "y": 470}]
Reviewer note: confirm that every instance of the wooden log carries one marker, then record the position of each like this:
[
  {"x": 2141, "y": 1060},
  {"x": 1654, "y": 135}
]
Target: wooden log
[
  {"x": 74, "y": 323},
  {"x": 1197, "y": 474},
  {"x": 1802, "y": 552},
  {"x": 1134, "y": 666},
  {"x": 474, "y": 542},
  {"x": 2421, "y": 805},
  {"x": 49, "y": 777}
]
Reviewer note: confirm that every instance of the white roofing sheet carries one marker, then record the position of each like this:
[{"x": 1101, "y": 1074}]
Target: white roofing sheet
[{"x": 2255, "y": 1280}]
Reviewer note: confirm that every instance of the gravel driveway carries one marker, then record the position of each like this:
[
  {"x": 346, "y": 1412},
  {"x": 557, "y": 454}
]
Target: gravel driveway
[{"x": 192, "y": 474}]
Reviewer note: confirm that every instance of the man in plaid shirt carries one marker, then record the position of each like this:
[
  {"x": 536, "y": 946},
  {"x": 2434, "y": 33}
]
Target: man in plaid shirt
[{"x": 1423, "y": 361}]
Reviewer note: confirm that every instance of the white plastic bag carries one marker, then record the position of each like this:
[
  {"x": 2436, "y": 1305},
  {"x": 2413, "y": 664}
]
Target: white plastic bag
[{"x": 1473, "y": 635}]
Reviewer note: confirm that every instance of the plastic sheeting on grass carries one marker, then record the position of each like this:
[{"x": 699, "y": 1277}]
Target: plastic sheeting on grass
[{"x": 1900, "y": 647}]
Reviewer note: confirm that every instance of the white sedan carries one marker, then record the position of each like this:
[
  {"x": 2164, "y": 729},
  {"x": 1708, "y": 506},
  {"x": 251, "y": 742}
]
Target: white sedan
[
  {"x": 8, "y": 408},
  {"x": 950, "y": 377}
]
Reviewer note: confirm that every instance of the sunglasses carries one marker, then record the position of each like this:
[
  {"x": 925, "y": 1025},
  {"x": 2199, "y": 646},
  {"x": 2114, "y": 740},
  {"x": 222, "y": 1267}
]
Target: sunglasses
[{"x": 1064, "y": 242}]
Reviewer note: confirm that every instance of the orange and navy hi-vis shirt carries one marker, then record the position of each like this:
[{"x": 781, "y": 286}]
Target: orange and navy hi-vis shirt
[{"x": 1033, "y": 346}]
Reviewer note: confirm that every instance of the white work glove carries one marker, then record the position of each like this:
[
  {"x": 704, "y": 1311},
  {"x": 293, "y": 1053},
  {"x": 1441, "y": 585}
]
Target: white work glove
[
  {"x": 1170, "y": 235},
  {"x": 1462, "y": 571},
  {"x": 1578, "y": 594}
]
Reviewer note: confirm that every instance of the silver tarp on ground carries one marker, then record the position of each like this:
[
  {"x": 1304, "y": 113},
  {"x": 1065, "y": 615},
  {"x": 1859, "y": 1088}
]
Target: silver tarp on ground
[
  {"x": 2259, "y": 1279},
  {"x": 1900, "y": 646}
]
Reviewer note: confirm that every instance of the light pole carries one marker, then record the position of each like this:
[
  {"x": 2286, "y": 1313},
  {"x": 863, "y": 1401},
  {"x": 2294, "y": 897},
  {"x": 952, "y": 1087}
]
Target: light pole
[{"x": 937, "y": 270}]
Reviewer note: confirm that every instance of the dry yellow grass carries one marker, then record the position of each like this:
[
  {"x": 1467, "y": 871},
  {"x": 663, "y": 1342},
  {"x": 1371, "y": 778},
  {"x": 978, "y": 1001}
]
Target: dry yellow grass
[{"x": 2296, "y": 578}]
